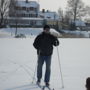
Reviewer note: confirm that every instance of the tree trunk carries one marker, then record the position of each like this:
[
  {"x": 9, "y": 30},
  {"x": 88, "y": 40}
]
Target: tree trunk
[{"x": 1, "y": 21}]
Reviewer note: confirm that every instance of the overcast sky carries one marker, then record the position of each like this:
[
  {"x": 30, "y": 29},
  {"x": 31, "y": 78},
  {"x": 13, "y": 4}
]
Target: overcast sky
[{"x": 53, "y": 5}]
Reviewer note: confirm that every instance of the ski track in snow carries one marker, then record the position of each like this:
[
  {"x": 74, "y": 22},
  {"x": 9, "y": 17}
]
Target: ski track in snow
[{"x": 18, "y": 60}]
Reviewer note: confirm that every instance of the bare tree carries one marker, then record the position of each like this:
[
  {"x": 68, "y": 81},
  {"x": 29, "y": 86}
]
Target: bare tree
[
  {"x": 4, "y": 6},
  {"x": 12, "y": 8},
  {"x": 13, "y": 13},
  {"x": 67, "y": 17},
  {"x": 76, "y": 8},
  {"x": 60, "y": 13},
  {"x": 88, "y": 10}
]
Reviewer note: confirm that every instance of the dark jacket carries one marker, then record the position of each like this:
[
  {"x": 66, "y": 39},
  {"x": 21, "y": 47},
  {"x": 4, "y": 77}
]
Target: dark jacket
[{"x": 44, "y": 44}]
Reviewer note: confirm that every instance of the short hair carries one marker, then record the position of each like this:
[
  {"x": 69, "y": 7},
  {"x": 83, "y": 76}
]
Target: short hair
[
  {"x": 46, "y": 26},
  {"x": 88, "y": 83}
]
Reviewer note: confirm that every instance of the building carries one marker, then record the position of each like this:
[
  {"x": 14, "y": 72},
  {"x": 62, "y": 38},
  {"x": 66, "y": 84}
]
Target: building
[
  {"x": 26, "y": 9},
  {"x": 27, "y": 13},
  {"x": 48, "y": 15}
]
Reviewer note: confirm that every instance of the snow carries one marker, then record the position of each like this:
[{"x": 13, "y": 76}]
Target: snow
[
  {"x": 18, "y": 55},
  {"x": 85, "y": 34},
  {"x": 29, "y": 4},
  {"x": 26, "y": 18},
  {"x": 29, "y": 32},
  {"x": 49, "y": 15},
  {"x": 18, "y": 60},
  {"x": 4, "y": 34},
  {"x": 80, "y": 23}
]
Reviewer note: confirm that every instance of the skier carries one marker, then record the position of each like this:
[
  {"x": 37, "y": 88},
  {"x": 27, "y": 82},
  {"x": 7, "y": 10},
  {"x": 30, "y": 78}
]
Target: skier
[
  {"x": 44, "y": 43},
  {"x": 88, "y": 83}
]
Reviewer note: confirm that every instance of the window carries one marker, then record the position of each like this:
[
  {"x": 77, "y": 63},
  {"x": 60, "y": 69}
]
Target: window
[
  {"x": 32, "y": 8},
  {"x": 23, "y": 8}
]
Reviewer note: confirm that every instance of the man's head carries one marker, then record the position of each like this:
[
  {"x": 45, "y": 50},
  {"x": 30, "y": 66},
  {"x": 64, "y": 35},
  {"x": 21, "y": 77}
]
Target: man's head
[
  {"x": 88, "y": 83},
  {"x": 46, "y": 28}
]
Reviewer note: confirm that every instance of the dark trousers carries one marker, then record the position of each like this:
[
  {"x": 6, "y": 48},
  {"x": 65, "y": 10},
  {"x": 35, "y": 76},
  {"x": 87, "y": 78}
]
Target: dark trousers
[{"x": 41, "y": 60}]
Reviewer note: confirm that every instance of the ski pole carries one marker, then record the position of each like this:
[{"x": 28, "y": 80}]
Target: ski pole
[{"x": 60, "y": 67}]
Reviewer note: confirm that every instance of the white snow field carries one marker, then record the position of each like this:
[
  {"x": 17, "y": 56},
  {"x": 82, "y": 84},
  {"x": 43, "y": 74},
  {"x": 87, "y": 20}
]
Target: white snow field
[
  {"x": 29, "y": 32},
  {"x": 10, "y": 32},
  {"x": 18, "y": 60}
]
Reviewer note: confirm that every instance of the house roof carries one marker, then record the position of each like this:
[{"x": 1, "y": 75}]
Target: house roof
[
  {"x": 28, "y": 4},
  {"x": 80, "y": 23},
  {"x": 52, "y": 15}
]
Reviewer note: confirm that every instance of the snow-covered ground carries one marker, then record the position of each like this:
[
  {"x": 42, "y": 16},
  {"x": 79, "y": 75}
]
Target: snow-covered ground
[
  {"x": 18, "y": 60},
  {"x": 85, "y": 34},
  {"x": 29, "y": 32}
]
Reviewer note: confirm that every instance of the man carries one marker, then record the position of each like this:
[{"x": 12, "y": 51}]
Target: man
[
  {"x": 44, "y": 44},
  {"x": 88, "y": 83}
]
